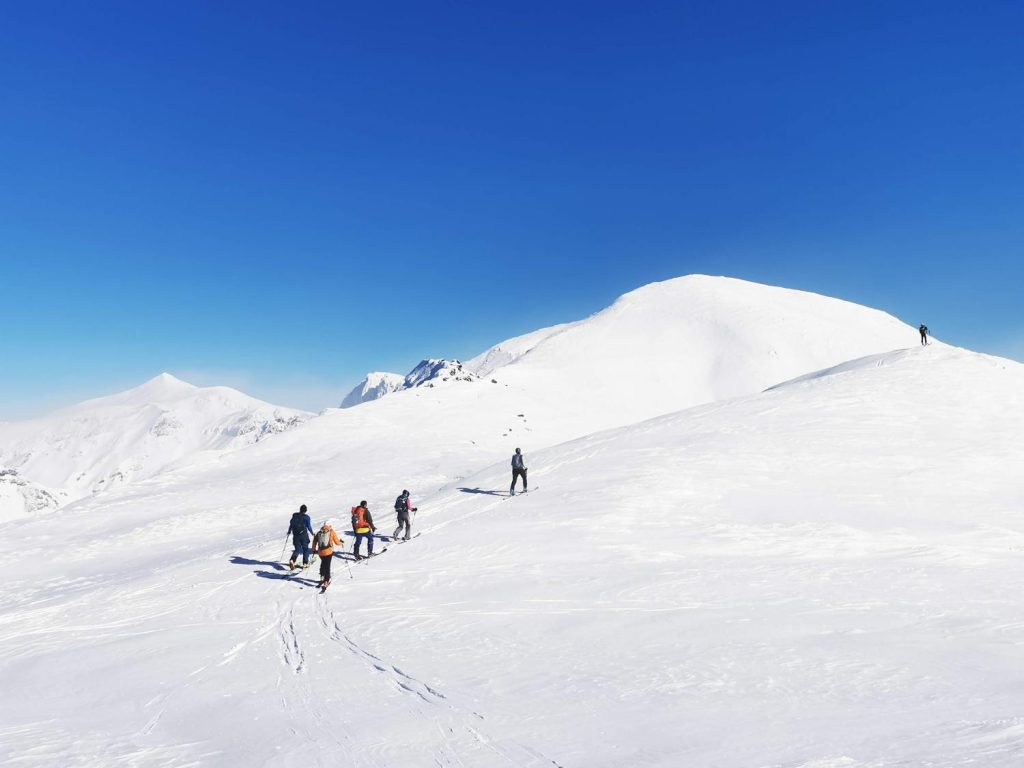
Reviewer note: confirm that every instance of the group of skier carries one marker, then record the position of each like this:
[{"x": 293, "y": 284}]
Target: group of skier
[{"x": 300, "y": 528}]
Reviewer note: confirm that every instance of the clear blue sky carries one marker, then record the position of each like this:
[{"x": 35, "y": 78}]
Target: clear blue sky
[{"x": 283, "y": 196}]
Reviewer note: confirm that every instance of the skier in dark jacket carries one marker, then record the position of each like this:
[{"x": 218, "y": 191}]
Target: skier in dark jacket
[
  {"x": 403, "y": 508},
  {"x": 363, "y": 527},
  {"x": 924, "y": 334},
  {"x": 301, "y": 528},
  {"x": 518, "y": 470}
]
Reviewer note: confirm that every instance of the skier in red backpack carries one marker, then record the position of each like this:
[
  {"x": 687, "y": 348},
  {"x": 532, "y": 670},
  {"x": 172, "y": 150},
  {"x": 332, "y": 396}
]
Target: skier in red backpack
[{"x": 362, "y": 525}]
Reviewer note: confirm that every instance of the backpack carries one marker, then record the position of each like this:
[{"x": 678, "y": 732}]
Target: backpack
[
  {"x": 323, "y": 539},
  {"x": 359, "y": 519},
  {"x": 298, "y": 525},
  {"x": 400, "y": 506}
]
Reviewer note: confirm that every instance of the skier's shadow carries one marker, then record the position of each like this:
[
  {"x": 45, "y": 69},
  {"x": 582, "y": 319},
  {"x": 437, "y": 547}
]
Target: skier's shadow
[
  {"x": 280, "y": 572},
  {"x": 237, "y": 560},
  {"x": 286, "y": 577},
  {"x": 482, "y": 491}
]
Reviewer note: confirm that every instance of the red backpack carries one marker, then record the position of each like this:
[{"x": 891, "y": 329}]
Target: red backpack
[{"x": 359, "y": 519}]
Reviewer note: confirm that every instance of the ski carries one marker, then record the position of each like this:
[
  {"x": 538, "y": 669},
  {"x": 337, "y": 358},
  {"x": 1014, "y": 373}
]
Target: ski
[
  {"x": 520, "y": 493},
  {"x": 364, "y": 558},
  {"x": 401, "y": 540}
]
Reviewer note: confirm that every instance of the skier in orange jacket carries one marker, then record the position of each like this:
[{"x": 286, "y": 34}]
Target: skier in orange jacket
[{"x": 324, "y": 542}]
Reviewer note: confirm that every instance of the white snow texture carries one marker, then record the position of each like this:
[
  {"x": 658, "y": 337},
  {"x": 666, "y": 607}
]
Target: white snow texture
[{"x": 765, "y": 528}]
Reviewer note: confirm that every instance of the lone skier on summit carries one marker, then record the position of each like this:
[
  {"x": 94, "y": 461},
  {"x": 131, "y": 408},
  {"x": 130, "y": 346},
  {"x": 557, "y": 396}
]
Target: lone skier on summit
[
  {"x": 924, "y": 334},
  {"x": 518, "y": 469}
]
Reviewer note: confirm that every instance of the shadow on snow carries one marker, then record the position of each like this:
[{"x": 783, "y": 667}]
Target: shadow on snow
[{"x": 484, "y": 492}]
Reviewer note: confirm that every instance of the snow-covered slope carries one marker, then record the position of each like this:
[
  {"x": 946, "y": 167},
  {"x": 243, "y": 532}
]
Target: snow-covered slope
[
  {"x": 818, "y": 575},
  {"x": 679, "y": 343},
  {"x": 108, "y": 441},
  {"x": 511, "y": 350},
  {"x": 687, "y": 341}
]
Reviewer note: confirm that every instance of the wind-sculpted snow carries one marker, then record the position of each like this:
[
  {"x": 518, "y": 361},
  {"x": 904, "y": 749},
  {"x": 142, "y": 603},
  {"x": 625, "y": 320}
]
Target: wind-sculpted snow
[
  {"x": 111, "y": 441},
  {"x": 817, "y": 575}
]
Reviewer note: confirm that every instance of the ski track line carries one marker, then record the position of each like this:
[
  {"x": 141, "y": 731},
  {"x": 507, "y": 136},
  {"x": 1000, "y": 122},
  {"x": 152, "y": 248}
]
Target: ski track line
[
  {"x": 288, "y": 642},
  {"x": 402, "y": 680},
  {"x": 424, "y": 693}
]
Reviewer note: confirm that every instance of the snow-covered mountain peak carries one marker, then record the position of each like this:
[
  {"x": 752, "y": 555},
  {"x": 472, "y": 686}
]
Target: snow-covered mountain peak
[
  {"x": 108, "y": 441},
  {"x": 427, "y": 373},
  {"x": 376, "y": 385},
  {"x": 674, "y": 344},
  {"x": 160, "y": 389},
  {"x": 686, "y": 341},
  {"x": 436, "y": 371}
]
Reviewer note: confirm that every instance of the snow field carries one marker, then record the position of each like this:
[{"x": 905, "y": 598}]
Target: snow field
[{"x": 819, "y": 575}]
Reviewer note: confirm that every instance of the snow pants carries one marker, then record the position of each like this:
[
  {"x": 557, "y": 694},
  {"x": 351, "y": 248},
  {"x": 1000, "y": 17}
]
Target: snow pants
[
  {"x": 325, "y": 567},
  {"x": 403, "y": 521},
  {"x": 369, "y": 542},
  {"x": 301, "y": 544},
  {"x": 516, "y": 473}
]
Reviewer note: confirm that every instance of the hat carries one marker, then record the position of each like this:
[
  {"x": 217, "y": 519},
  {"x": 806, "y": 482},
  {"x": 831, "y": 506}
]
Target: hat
[{"x": 362, "y": 503}]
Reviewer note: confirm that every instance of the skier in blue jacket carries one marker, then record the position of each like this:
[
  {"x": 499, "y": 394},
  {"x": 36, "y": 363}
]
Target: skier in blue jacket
[{"x": 301, "y": 529}]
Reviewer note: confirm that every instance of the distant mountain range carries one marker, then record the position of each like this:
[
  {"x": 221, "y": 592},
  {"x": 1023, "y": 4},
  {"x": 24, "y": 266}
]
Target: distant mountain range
[{"x": 109, "y": 441}]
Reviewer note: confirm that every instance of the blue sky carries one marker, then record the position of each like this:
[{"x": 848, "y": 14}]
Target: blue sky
[{"x": 283, "y": 196}]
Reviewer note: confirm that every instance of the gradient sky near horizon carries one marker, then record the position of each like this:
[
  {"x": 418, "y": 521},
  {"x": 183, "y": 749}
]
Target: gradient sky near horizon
[{"x": 281, "y": 197}]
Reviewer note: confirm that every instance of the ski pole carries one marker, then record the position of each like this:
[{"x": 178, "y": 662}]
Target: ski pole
[{"x": 284, "y": 548}]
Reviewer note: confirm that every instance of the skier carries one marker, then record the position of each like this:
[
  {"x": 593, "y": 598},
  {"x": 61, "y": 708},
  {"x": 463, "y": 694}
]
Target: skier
[
  {"x": 362, "y": 525},
  {"x": 325, "y": 541},
  {"x": 924, "y": 334},
  {"x": 301, "y": 528},
  {"x": 517, "y": 470},
  {"x": 403, "y": 506}
]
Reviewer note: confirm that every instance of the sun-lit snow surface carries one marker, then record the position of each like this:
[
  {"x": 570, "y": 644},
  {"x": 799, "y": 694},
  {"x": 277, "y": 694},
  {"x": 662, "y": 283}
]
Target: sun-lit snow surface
[
  {"x": 818, "y": 575},
  {"x": 109, "y": 441},
  {"x": 687, "y": 341},
  {"x": 682, "y": 342}
]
